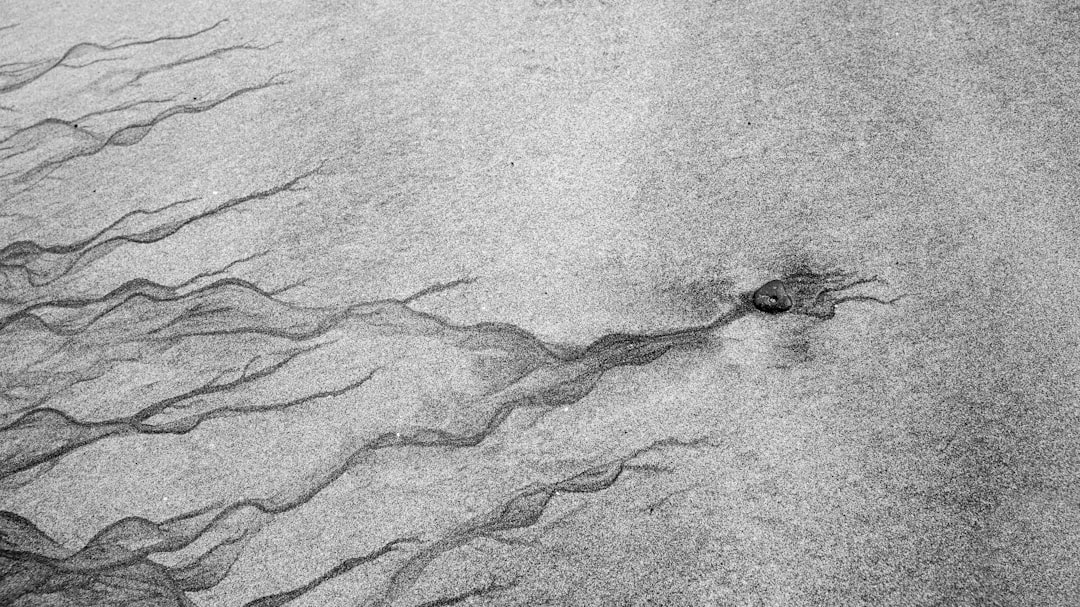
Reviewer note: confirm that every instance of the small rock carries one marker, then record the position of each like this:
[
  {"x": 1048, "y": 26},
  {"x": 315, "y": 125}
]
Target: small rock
[{"x": 772, "y": 297}]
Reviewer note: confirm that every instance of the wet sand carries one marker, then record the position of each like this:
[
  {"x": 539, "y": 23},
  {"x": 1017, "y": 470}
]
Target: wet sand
[{"x": 452, "y": 304}]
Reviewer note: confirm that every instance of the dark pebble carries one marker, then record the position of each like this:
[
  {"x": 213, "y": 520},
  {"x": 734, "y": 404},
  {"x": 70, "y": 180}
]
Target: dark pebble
[{"x": 772, "y": 297}]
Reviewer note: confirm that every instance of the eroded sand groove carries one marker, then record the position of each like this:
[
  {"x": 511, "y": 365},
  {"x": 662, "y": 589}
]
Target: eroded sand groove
[{"x": 236, "y": 344}]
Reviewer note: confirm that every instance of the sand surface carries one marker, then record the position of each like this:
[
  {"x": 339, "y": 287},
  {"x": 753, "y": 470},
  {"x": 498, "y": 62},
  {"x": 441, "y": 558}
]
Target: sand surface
[{"x": 447, "y": 303}]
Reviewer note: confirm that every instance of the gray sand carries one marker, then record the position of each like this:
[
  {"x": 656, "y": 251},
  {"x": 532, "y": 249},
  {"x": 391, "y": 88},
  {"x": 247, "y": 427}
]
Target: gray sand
[{"x": 412, "y": 303}]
